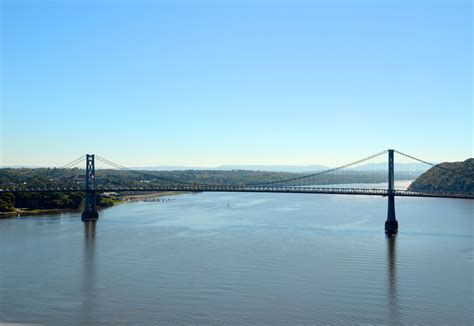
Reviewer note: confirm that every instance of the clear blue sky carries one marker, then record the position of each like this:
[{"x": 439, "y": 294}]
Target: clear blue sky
[{"x": 249, "y": 82}]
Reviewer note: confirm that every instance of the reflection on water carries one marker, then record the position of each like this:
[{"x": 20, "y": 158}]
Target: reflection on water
[
  {"x": 88, "y": 272},
  {"x": 392, "y": 299},
  {"x": 282, "y": 259}
]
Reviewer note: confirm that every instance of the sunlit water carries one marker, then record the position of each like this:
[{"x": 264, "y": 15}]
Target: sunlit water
[{"x": 242, "y": 258}]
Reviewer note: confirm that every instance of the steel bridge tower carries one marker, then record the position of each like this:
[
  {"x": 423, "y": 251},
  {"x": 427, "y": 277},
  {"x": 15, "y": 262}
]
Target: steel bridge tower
[
  {"x": 391, "y": 224},
  {"x": 90, "y": 209}
]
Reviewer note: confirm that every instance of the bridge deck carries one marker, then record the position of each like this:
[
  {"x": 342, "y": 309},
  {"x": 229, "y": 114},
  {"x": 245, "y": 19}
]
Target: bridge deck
[{"x": 296, "y": 190}]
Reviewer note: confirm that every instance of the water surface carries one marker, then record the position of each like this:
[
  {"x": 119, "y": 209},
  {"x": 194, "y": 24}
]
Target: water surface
[{"x": 242, "y": 258}]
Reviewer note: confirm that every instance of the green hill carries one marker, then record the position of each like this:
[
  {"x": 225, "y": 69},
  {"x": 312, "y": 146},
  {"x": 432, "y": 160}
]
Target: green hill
[{"x": 440, "y": 178}]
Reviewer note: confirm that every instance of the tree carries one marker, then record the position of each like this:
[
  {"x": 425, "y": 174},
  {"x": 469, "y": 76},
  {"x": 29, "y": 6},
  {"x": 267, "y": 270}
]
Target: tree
[{"x": 7, "y": 202}]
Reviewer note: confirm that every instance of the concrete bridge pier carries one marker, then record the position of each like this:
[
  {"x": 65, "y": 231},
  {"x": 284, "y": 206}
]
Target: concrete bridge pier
[
  {"x": 90, "y": 207},
  {"x": 87, "y": 216},
  {"x": 391, "y": 224}
]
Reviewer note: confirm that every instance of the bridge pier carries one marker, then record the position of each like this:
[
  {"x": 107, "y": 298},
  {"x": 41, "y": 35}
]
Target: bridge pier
[
  {"x": 391, "y": 224},
  {"x": 89, "y": 216},
  {"x": 90, "y": 209}
]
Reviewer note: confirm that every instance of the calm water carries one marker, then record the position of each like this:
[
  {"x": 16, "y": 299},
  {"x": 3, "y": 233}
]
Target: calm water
[{"x": 228, "y": 258}]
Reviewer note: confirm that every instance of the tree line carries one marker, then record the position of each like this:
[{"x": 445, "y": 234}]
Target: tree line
[
  {"x": 41, "y": 177},
  {"x": 9, "y": 202}
]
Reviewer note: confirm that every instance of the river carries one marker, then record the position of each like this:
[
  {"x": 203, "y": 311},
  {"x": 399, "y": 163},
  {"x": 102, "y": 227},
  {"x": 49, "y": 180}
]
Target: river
[{"x": 242, "y": 258}]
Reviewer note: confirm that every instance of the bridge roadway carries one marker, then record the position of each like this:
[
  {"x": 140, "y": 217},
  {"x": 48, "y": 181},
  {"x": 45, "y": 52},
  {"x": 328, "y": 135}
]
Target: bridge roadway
[{"x": 266, "y": 189}]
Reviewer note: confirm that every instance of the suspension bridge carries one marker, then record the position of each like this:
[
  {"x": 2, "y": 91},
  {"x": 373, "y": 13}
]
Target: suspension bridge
[{"x": 375, "y": 175}]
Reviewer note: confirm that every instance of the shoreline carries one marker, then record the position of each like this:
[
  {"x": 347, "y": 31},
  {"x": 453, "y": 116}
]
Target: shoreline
[
  {"x": 154, "y": 196},
  {"x": 20, "y": 212},
  {"x": 150, "y": 196}
]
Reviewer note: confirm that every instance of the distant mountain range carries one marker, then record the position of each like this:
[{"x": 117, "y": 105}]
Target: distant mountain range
[
  {"x": 268, "y": 168},
  {"x": 416, "y": 167},
  {"x": 20, "y": 167}
]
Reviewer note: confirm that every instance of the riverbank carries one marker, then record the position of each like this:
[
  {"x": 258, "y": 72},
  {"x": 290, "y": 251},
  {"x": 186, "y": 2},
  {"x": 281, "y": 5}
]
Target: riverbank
[
  {"x": 52, "y": 211},
  {"x": 149, "y": 196},
  {"x": 153, "y": 196}
]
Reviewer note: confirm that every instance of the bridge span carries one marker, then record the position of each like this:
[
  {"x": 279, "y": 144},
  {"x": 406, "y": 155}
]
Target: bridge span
[
  {"x": 284, "y": 189},
  {"x": 91, "y": 187}
]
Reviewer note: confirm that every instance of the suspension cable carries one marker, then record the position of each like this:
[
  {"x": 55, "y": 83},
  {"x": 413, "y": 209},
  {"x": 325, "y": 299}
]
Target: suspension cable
[
  {"x": 123, "y": 168},
  {"x": 72, "y": 163},
  {"x": 433, "y": 165},
  {"x": 319, "y": 173}
]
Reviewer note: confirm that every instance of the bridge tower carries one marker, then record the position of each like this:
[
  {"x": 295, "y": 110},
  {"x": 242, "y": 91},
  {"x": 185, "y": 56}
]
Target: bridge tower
[
  {"x": 90, "y": 209},
  {"x": 391, "y": 224}
]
